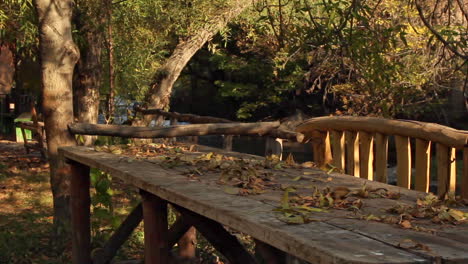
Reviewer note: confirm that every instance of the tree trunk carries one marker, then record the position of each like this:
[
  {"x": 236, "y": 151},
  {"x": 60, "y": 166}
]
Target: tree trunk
[
  {"x": 88, "y": 74},
  {"x": 58, "y": 57},
  {"x": 160, "y": 91},
  {"x": 110, "y": 51}
]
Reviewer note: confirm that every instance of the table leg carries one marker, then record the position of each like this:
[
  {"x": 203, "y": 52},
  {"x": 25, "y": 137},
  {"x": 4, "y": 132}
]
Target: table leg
[
  {"x": 155, "y": 229},
  {"x": 80, "y": 213}
]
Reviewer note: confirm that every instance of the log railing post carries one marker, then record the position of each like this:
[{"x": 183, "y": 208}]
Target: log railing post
[
  {"x": 423, "y": 165},
  {"x": 155, "y": 229},
  {"x": 174, "y": 122},
  {"x": 274, "y": 147},
  {"x": 352, "y": 153},
  {"x": 381, "y": 157},
  {"x": 366, "y": 153},
  {"x": 338, "y": 149},
  {"x": 403, "y": 151},
  {"x": 227, "y": 142},
  {"x": 464, "y": 181},
  {"x": 321, "y": 148},
  {"x": 446, "y": 169},
  {"x": 80, "y": 203}
]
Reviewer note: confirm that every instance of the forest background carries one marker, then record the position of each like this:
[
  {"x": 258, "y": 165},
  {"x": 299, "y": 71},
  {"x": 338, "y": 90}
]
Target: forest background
[{"x": 239, "y": 59}]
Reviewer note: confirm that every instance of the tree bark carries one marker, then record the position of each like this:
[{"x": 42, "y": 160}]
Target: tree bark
[
  {"x": 88, "y": 74},
  {"x": 160, "y": 90},
  {"x": 59, "y": 55}
]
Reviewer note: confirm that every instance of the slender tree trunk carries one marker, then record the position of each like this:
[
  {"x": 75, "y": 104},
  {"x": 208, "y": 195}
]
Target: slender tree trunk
[
  {"x": 110, "y": 50},
  {"x": 160, "y": 91},
  {"x": 59, "y": 55}
]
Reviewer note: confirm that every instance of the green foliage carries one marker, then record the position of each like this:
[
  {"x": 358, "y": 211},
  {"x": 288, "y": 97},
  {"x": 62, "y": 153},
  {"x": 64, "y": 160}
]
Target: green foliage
[
  {"x": 18, "y": 26},
  {"x": 104, "y": 219}
]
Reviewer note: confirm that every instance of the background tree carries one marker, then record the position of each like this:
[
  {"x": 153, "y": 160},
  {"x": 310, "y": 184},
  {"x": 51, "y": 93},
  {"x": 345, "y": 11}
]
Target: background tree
[{"x": 59, "y": 55}]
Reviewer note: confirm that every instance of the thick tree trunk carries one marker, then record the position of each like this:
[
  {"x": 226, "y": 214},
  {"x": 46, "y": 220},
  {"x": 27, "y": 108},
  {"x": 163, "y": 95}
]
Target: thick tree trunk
[
  {"x": 58, "y": 57},
  {"x": 160, "y": 91},
  {"x": 110, "y": 51}
]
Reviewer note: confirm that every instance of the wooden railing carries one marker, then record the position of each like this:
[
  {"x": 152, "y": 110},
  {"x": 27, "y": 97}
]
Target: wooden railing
[{"x": 359, "y": 146}]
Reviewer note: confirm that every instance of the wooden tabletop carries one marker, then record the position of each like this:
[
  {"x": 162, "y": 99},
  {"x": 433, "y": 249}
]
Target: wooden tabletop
[{"x": 329, "y": 236}]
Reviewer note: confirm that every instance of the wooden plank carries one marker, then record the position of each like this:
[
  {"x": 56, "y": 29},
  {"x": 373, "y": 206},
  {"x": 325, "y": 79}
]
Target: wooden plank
[
  {"x": 338, "y": 149},
  {"x": 321, "y": 148},
  {"x": 446, "y": 169},
  {"x": 118, "y": 238},
  {"x": 408, "y": 128},
  {"x": 80, "y": 202},
  {"x": 314, "y": 242},
  {"x": 155, "y": 229},
  {"x": 423, "y": 165},
  {"x": 366, "y": 155},
  {"x": 381, "y": 157},
  {"x": 464, "y": 182},
  {"x": 352, "y": 153},
  {"x": 403, "y": 150}
]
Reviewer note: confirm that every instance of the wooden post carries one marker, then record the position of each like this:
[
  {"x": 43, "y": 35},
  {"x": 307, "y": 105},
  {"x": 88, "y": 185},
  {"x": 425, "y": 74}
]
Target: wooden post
[
  {"x": 321, "y": 148},
  {"x": 381, "y": 157},
  {"x": 155, "y": 229},
  {"x": 338, "y": 149},
  {"x": 269, "y": 254},
  {"x": 80, "y": 213},
  {"x": 464, "y": 183},
  {"x": 403, "y": 149},
  {"x": 352, "y": 153},
  {"x": 227, "y": 142},
  {"x": 366, "y": 153},
  {"x": 423, "y": 165},
  {"x": 446, "y": 169},
  {"x": 274, "y": 147},
  {"x": 188, "y": 244},
  {"x": 174, "y": 122}
]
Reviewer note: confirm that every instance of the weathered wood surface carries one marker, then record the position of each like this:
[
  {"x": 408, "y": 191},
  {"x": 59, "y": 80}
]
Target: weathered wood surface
[
  {"x": 260, "y": 128},
  {"x": 381, "y": 157},
  {"x": 423, "y": 165},
  {"x": 403, "y": 151},
  {"x": 446, "y": 170},
  {"x": 196, "y": 119},
  {"x": 366, "y": 155},
  {"x": 80, "y": 203},
  {"x": 338, "y": 236},
  {"x": 338, "y": 149},
  {"x": 408, "y": 128},
  {"x": 352, "y": 153}
]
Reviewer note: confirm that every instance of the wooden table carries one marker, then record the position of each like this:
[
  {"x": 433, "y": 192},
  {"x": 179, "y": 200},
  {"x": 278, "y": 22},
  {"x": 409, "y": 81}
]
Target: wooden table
[{"x": 336, "y": 236}]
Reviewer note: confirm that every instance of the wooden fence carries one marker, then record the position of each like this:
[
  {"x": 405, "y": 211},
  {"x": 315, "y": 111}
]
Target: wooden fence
[{"x": 359, "y": 147}]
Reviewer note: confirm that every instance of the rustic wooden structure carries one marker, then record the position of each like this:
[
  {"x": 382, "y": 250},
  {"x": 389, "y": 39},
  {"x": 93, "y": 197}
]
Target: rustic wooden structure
[
  {"x": 363, "y": 150},
  {"x": 38, "y": 134},
  {"x": 333, "y": 237},
  {"x": 274, "y": 144}
]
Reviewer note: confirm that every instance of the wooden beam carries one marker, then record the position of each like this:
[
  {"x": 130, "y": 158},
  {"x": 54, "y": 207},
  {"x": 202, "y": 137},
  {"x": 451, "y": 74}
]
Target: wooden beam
[
  {"x": 321, "y": 147},
  {"x": 338, "y": 149},
  {"x": 260, "y": 128},
  {"x": 446, "y": 170},
  {"x": 403, "y": 151},
  {"x": 227, "y": 142},
  {"x": 352, "y": 153},
  {"x": 80, "y": 203},
  {"x": 423, "y": 165},
  {"x": 381, "y": 157},
  {"x": 366, "y": 155},
  {"x": 118, "y": 238},
  {"x": 464, "y": 182},
  {"x": 219, "y": 238},
  {"x": 155, "y": 229},
  {"x": 408, "y": 128}
]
